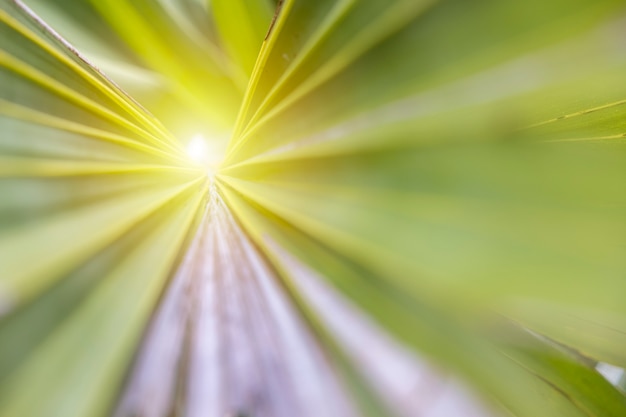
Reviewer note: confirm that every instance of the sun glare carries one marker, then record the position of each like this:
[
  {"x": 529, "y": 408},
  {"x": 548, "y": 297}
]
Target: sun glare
[
  {"x": 205, "y": 151},
  {"x": 198, "y": 149}
]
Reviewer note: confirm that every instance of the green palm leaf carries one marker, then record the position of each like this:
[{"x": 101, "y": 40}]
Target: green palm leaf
[{"x": 361, "y": 207}]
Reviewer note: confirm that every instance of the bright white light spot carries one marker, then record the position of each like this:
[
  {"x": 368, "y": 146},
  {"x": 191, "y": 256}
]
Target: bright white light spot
[
  {"x": 207, "y": 151},
  {"x": 613, "y": 374},
  {"x": 198, "y": 149}
]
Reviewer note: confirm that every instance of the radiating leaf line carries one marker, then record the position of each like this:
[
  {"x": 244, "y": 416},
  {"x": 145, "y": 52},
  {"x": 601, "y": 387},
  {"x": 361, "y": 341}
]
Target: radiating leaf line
[
  {"x": 323, "y": 31},
  {"x": 556, "y": 388},
  {"x": 406, "y": 109},
  {"x": 100, "y": 82},
  {"x": 33, "y": 167},
  {"x": 340, "y": 239},
  {"x": 579, "y": 113},
  {"x": 151, "y": 389},
  {"x": 590, "y": 139},
  {"x": 323, "y": 382},
  {"x": 592, "y": 333},
  {"x": 133, "y": 287},
  {"x": 227, "y": 298},
  {"x": 38, "y": 77},
  {"x": 44, "y": 119},
  {"x": 621, "y": 332},
  {"x": 282, "y": 13},
  {"x": 210, "y": 46},
  {"x": 21, "y": 280},
  {"x": 394, "y": 19},
  {"x": 549, "y": 72},
  {"x": 391, "y": 21},
  {"x": 241, "y": 25},
  {"x": 487, "y": 87},
  {"x": 616, "y": 410},
  {"x": 412, "y": 386},
  {"x": 409, "y": 204},
  {"x": 432, "y": 332},
  {"x": 563, "y": 369},
  {"x": 291, "y": 335},
  {"x": 239, "y": 311},
  {"x": 194, "y": 79},
  {"x": 357, "y": 247}
]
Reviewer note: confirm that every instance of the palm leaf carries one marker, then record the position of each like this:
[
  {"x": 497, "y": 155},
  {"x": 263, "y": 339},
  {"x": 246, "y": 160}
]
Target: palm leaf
[{"x": 420, "y": 210}]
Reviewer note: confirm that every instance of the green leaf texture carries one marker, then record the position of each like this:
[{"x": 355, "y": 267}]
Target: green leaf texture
[{"x": 312, "y": 208}]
